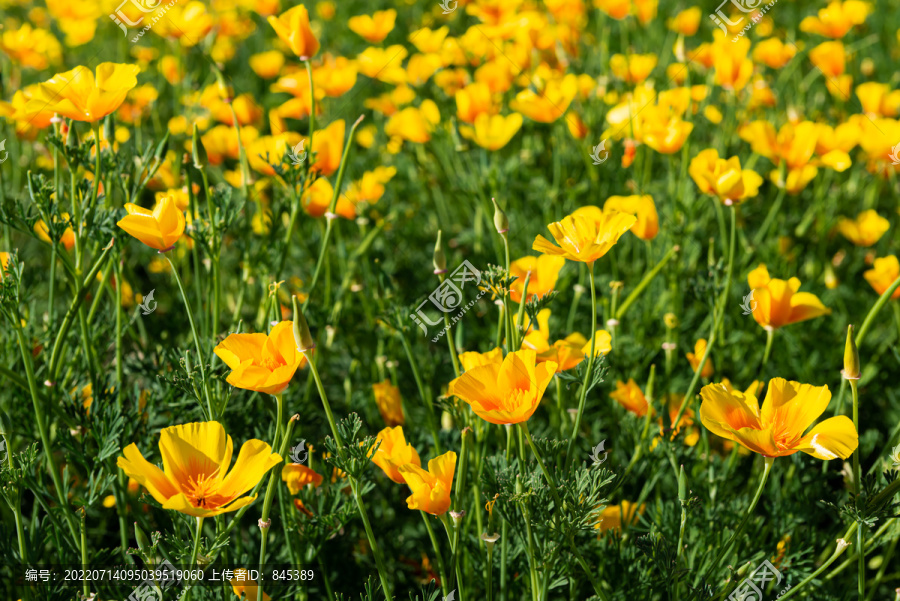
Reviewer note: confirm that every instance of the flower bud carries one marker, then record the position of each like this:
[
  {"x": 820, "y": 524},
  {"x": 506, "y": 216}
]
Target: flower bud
[
  {"x": 682, "y": 486},
  {"x": 501, "y": 222},
  {"x": 302, "y": 337},
  {"x": 198, "y": 152},
  {"x": 851, "y": 357},
  {"x": 439, "y": 259},
  {"x": 142, "y": 540},
  {"x": 109, "y": 130},
  {"x": 71, "y": 138}
]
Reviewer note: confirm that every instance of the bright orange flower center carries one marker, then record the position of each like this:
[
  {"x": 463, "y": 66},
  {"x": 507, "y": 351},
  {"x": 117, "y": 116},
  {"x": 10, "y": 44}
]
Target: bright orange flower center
[{"x": 202, "y": 491}]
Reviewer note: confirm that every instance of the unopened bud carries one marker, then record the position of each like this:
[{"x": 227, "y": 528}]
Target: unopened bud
[
  {"x": 109, "y": 130},
  {"x": 142, "y": 540},
  {"x": 851, "y": 357},
  {"x": 501, "y": 222},
  {"x": 439, "y": 259},
  {"x": 682, "y": 486},
  {"x": 71, "y": 138},
  {"x": 302, "y": 338},
  {"x": 198, "y": 152}
]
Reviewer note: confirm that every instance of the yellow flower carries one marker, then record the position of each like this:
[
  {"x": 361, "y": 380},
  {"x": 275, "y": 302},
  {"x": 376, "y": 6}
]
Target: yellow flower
[
  {"x": 836, "y": 19},
  {"x": 245, "y": 587},
  {"x": 507, "y": 392},
  {"x": 4, "y": 263},
  {"x": 30, "y": 47},
  {"x": 697, "y": 356},
  {"x": 67, "y": 239},
  {"x": 866, "y": 229},
  {"x": 544, "y": 272},
  {"x": 429, "y": 40},
  {"x": 384, "y": 64},
  {"x": 473, "y": 100},
  {"x": 373, "y": 28},
  {"x": 472, "y": 359},
  {"x": 776, "y": 429},
  {"x": 830, "y": 58},
  {"x": 617, "y": 9},
  {"x": 774, "y": 53},
  {"x": 79, "y": 95},
  {"x": 260, "y": 362},
  {"x": 328, "y": 147},
  {"x": 582, "y": 239},
  {"x": 195, "y": 460},
  {"x": 414, "y": 124},
  {"x": 160, "y": 228},
  {"x": 551, "y": 103},
  {"x": 884, "y": 272},
  {"x": 686, "y": 22},
  {"x": 614, "y": 516},
  {"x": 431, "y": 489},
  {"x": 778, "y": 303},
  {"x": 188, "y": 23},
  {"x": 387, "y": 397},
  {"x": 602, "y": 344},
  {"x": 630, "y": 396},
  {"x": 724, "y": 179},
  {"x": 633, "y": 68},
  {"x": 647, "y": 225},
  {"x": 297, "y": 476},
  {"x": 294, "y": 30},
  {"x": 733, "y": 68},
  {"x": 878, "y": 100},
  {"x": 267, "y": 65},
  {"x": 665, "y": 135},
  {"x": 334, "y": 77},
  {"x": 492, "y": 132},
  {"x": 394, "y": 452}
]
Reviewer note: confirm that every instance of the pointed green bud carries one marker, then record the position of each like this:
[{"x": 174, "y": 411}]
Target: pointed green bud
[
  {"x": 71, "y": 136},
  {"x": 682, "y": 486},
  {"x": 109, "y": 130},
  {"x": 198, "y": 152},
  {"x": 851, "y": 357},
  {"x": 501, "y": 222},
  {"x": 142, "y": 540},
  {"x": 440, "y": 259},
  {"x": 302, "y": 337}
]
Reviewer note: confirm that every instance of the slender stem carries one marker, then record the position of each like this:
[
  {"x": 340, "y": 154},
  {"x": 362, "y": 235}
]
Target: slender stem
[
  {"x": 645, "y": 281},
  {"x": 860, "y": 532},
  {"x": 870, "y": 317},
  {"x": 373, "y": 543},
  {"x": 200, "y": 357},
  {"x": 747, "y": 515},
  {"x": 442, "y": 569},
  {"x": 426, "y": 399},
  {"x": 86, "y": 587},
  {"x": 195, "y": 552},
  {"x": 570, "y": 455},
  {"x": 770, "y": 336},
  {"x": 841, "y": 547},
  {"x": 551, "y": 481}
]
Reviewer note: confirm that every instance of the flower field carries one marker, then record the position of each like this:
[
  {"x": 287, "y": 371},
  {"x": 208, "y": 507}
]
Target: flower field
[{"x": 460, "y": 300}]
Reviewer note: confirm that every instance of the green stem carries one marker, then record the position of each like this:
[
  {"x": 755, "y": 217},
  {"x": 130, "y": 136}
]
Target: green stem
[
  {"x": 841, "y": 547},
  {"x": 747, "y": 515},
  {"x": 860, "y": 531},
  {"x": 442, "y": 569},
  {"x": 195, "y": 552},
  {"x": 570, "y": 455},
  {"x": 426, "y": 399},
  {"x": 200, "y": 357},
  {"x": 376, "y": 551},
  {"x": 645, "y": 281},
  {"x": 86, "y": 587}
]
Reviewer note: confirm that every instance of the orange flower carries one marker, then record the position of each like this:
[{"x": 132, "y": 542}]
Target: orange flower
[
  {"x": 393, "y": 453},
  {"x": 830, "y": 58},
  {"x": 245, "y": 587},
  {"x": 431, "y": 489},
  {"x": 647, "y": 225},
  {"x": 582, "y": 239},
  {"x": 614, "y": 516},
  {"x": 390, "y": 405},
  {"x": 297, "y": 476},
  {"x": 4, "y": 263},
  {"x": 836, "y": 19},
  {"x": 776, "y": 429},
  {"x": 507, "y": 392},
  {"x": 686, "y": 22},
  {"x": 492, "y": 132},
  {"x": 724, "y": 179},
  {"x": 551, "y": 103},
  {"x": 544, "y": 272},
  {"x": 884, "y": 272},
  {"x": 473, "y": 100},
  {"x": 294, "y": 30},
  {"x": 414, "y": 124},
  {"x": 67, "y": 239},
  {"x": 328, "y": 147},
  {"x": 631, "y": 397},
  {"x": 778, "y": 303},
  {"x": 260, "y": 362},
  {"x": 633, "y": 68},
  {"x": 80, "y": 95},
  {"x": 160, "y": 228},
  {"x": 472, "y": 359},
  {"x": 697, "y": 355}
]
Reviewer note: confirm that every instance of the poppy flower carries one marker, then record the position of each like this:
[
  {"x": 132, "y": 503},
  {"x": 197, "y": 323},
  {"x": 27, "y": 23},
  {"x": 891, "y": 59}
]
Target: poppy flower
[
  {"x": 473, "y": 359},
  {"x": 630, "y": 396},
  {"x": 550, "y": 104},
  {"x": 614, "y": 516},
  {"x": 430, "y": 489},
  {"x": 414, "y": 124},
  {"x": 865, "y": 230},
  {"x": 723, "y": 178},
  {"x": 297, "y": 476},
  {"x": 394, "y": 452},
  {"x": 836, "y": 19},
  {"x": 732, "y": 67},
  {"x": 390, "y": 405},
  {"x": 544, "y": 271},
  {"x": 884, "y": 272},
  {"x": 633, "y": 68},
  {"x": 492, "y": 132},
  {"x": 687, "y": 22},
  {"x": 260, "y": 362},
  {"x": 778, "y": 302},
  {"x": 160, "y": 228},
  {"x": 292, "y": 27},
  {"x": 195, "y": 479},
  {"x": 507, "y": 392},
  {"x": 245, "y": 587},
  {"x": 641, "y": 206},
  {"x": 80, "y": 95},
  {"x": 373, "y": 28},
  {"x": 328, "y": 147},
  {"x": 4, "y": 263},
  {"x": 31, "y": 47},
  {"x": 67, "y": 239},
  {"x": 583, "y": 239},
  {"x": 776, "y": 429},
  {"x": 695, "y": 358}
]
